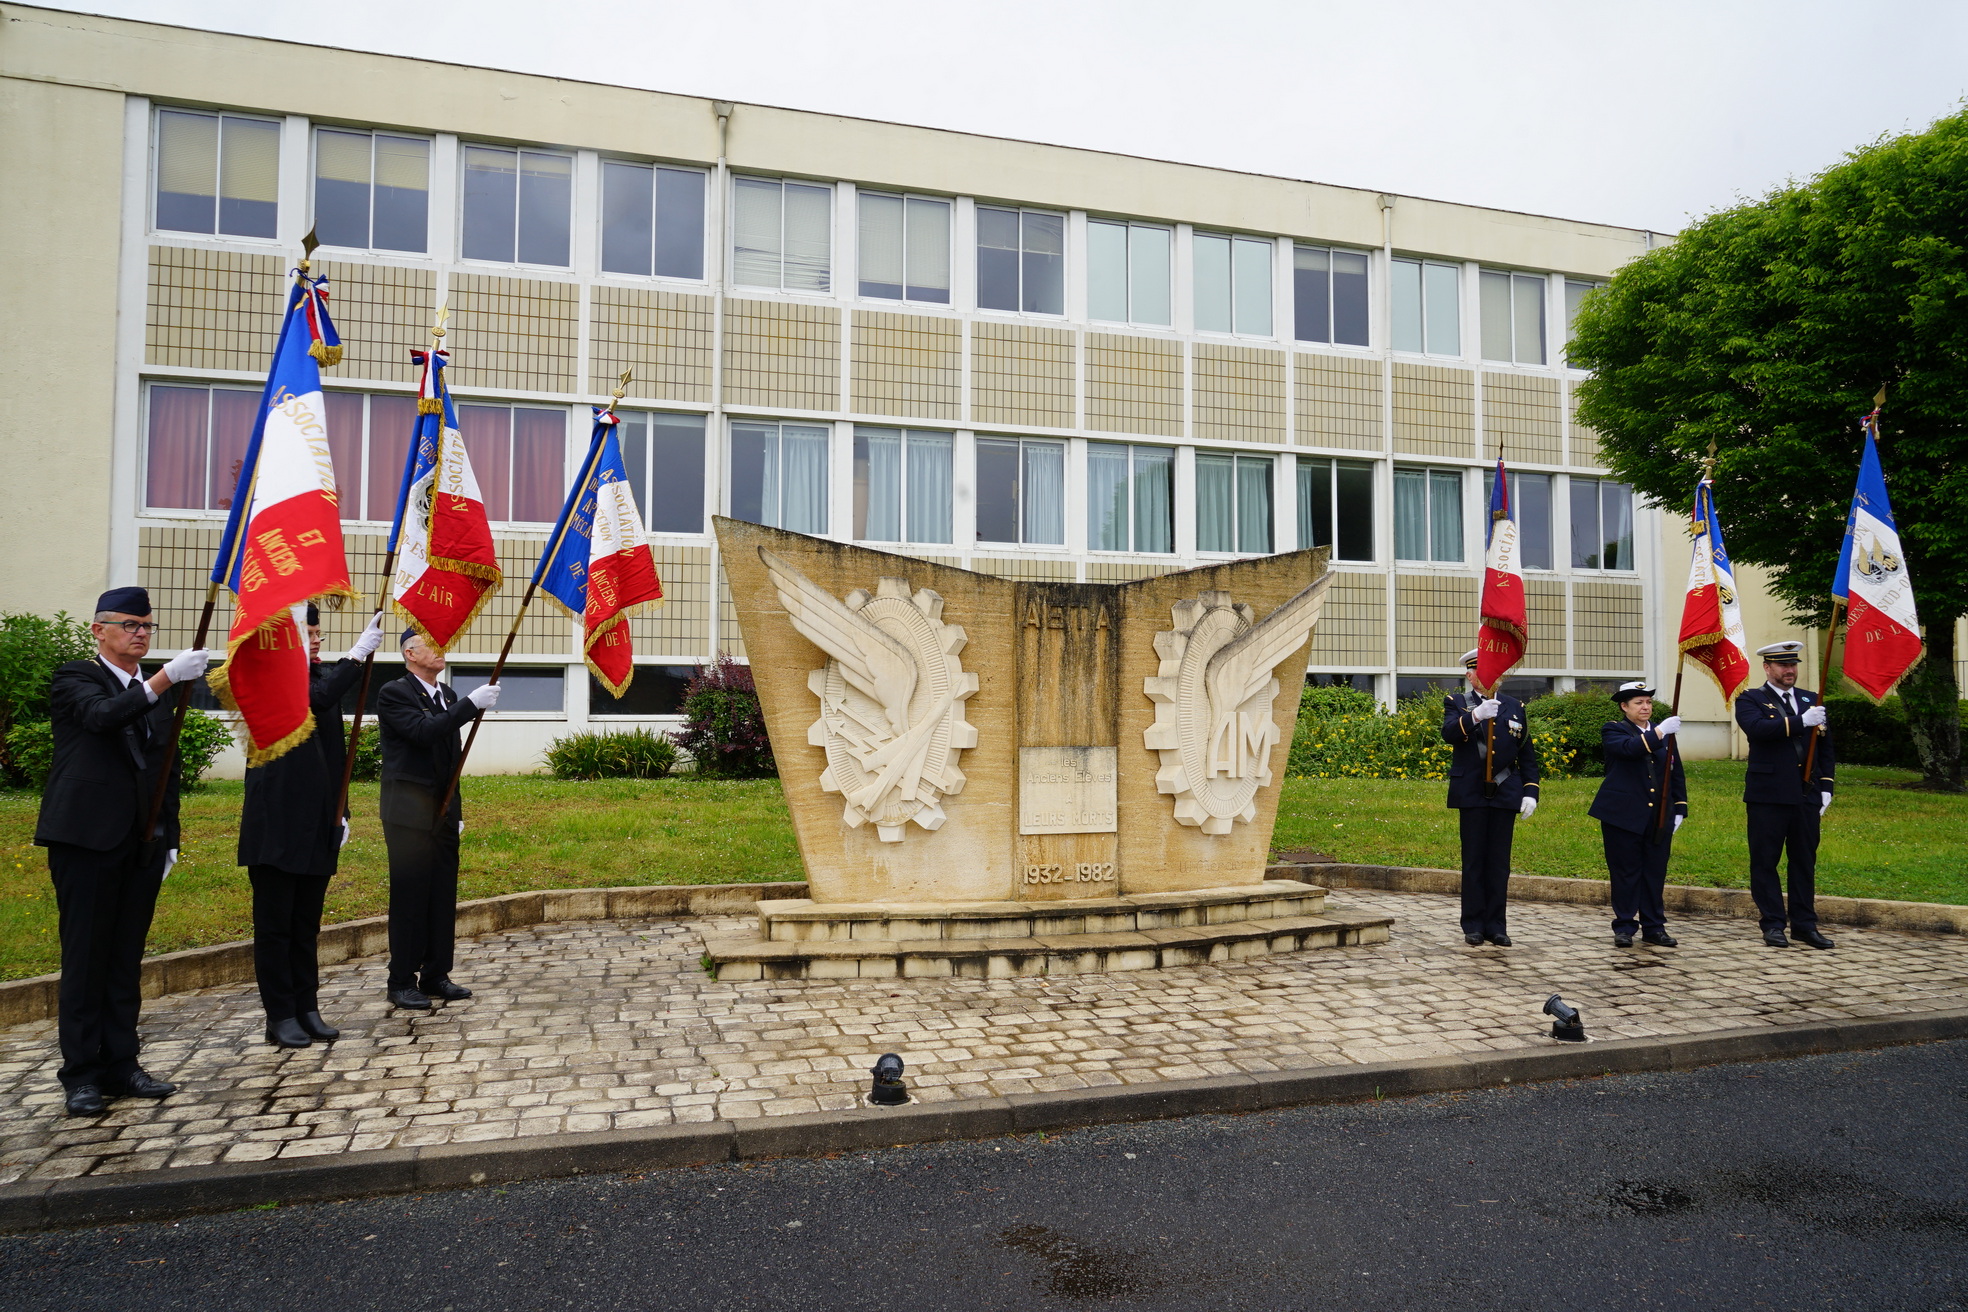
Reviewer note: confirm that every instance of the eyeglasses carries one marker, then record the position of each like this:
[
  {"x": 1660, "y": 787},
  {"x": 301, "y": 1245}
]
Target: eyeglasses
[{"x": 145, "y": 627}]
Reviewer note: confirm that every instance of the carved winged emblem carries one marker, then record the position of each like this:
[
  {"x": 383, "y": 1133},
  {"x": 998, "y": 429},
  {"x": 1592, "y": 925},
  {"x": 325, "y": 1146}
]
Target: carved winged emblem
[
  {"x": 1213, "y": 696},
  {"x": 891, "y": 697}
]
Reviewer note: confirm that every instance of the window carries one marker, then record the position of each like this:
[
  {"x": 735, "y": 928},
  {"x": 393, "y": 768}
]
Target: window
[
  {"x": 1530, "y": 503},
  {"x": 217, "y": 173},
  {"x": 1336, "y": 506},
  {"x": 1130, "y": 497},
  {"x": 782, "y": 235},
  {"x": 1575, "y": 293},
  {"x": 1021, "y": 491},
  {"x": 652, "y": 220},
  {"x": 519, "y": 456},
  {"x": 1428, "y": 514},
  {"x": 655, "y": 690},
  {"x": 1528, "y": 687},
  {"x": 1021, "y": 260},
  {"x": 1128, "y": 273},
  {"x": 1426, "y": 685},
  {"x": 1233, "y": 285},
  {"x": 1357, "y": 682},
  {"x": 1513, "y": 317},
  {"x": 901, "y": 485},
  {"x": 665, "y": 459},
  {"x": 518, "y": 206},
  {"x": 371, "y": 190},
  {"x": 533, "y": 688},
  {"x": 370, "y": 438},
  {"x": 779, "y": 475},
  {"x": 905, "y": 248},
  {"x": 196, "y": 445},
  {"x": 1602, "y": 525},
  {"x": 1427, "y": 307},
  {"x": 1329, "y": 296},
  {"x": 1233, "y": 502}
]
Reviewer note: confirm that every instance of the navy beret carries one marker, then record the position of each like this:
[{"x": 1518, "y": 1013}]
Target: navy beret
[
  {"x": 124, "y": 601},
  {"x": 314, "y": 614},
  {"x": 407, "y": 635}
]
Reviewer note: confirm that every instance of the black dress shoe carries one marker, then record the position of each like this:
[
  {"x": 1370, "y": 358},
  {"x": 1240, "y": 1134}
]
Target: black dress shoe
[
  {"x": 1622, "y": 938},
  {"x": 1814, "y": 938},
  {"x": 1473, "y": 940},
  {"x": 448, "y": 991},
  {"x": 1500, "y": 940},
  {"x": 1660, "y": 938},
  {"x": 318, "y": 1028},
  {"x": 287, "y": 1033},
  {"x": 1775, "y": 938},
  {"x": 84, "y": 1100},
  {"x": 138, "y": 1084},
  {"x": 409, "y": 999}
]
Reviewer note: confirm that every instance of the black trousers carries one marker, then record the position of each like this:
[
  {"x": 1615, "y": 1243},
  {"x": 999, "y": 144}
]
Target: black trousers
[
  {"x": 1773, "y": 832},
  {"x": 105, "y": 900},
  {"x": 423, "y": 907},
  {"x": 1486, "y": 834},
  {"x": 1637, "y": 866},
  {"x": 286, "y": 923}
]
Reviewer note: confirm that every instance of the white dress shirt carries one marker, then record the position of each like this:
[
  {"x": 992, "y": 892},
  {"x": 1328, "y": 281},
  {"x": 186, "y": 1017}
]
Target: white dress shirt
[{"x": 125, "y": 678}]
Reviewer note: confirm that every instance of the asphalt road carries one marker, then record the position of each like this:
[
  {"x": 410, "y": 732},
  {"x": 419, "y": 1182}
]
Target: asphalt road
[{"x": 1835, "y": 1182}]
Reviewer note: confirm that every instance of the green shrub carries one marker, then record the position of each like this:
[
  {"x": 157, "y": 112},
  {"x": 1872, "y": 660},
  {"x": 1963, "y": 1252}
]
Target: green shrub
[
  {"x": 368, "y": 751},
  {"x": 724, "y": 729},
  {"x": 1372, "y": 744},
  {"x": 31, "y": 646},
  {"x": 1574, "y": 722},
  {"x": 625, "y": 754},
  {"x": 31, "y": 747},
  {"x": 30, "y": 753},
  {"x": 205, "y": 736},
  {"x": 1324, "y": 703},
  {"x": 1875, "y": 735}
]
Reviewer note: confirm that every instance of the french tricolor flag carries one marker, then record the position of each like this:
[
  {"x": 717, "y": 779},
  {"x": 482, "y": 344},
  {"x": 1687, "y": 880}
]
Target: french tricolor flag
[
  {"x": 596, "y": 564},
  {"x": 1882, "y": 627},
  {"x": 447, "y": 566},
  {"x": 1711, "y": 614},
  {"x": 1504, "y": 621}
]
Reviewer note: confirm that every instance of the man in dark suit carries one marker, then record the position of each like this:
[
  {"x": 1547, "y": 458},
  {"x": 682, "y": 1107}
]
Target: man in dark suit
[
  {"x": 420, "y": 720},
  {"x": 111, "y": 729},
  {"x": 1635, "y": 829},
  {"x": 1785, "y": 808},
  {"x": 1489, "y": 808},
  {"x": 290, "y": 840}
]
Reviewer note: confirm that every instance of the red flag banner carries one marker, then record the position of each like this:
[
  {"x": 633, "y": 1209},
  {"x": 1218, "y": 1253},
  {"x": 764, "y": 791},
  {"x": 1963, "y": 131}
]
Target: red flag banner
[{"x": 1505, "y": 623}]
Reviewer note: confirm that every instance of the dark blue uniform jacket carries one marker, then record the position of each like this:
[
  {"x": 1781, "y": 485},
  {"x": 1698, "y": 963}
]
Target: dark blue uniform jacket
[
  {"x": 1778, "y": 744},
  {"x": 1636, "y": 761},
  {"x": 1516, "y": 769}
]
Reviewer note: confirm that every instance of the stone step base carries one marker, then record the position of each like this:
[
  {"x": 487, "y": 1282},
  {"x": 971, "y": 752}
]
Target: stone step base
[
  {"x": 801, "y": 920},
  {"x": 746, "y": 957}
]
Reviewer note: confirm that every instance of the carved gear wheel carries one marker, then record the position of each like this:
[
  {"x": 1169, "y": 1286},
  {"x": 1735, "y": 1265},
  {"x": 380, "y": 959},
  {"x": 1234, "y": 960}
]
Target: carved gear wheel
[
  {"x": 1186, "y": 731},
  {"x": 890, "y": 788}
]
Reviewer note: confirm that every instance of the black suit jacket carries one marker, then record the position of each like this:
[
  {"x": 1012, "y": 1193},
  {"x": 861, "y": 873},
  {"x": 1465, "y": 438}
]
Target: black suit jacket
[
  {"x": 1778, "y": 744},
  {"x": 420, "y": 750},
  {"x": 109, "y": 747},
  {"x": 1635, "y": 764},
  {"x": 288, "y": 820},
  {"x": 1516, "y": 769}
]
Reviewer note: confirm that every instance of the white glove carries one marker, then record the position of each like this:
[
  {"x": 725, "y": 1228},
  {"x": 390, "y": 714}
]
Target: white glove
[
  {"x": 1824, "y": 805},
  {"x": 461, "y": 829},
  {"x": 1668, "y": 727},
  {"x": 485, "y": 696},
  {"x": 187, "y": 665},
  {"x": 345, "y": 834},
  {"x": 1528, "y": 807},
  {"x": 1487, "y": 710},
  {"x": 170, "y": 859},
  {"x": 1677, "y": 822},
  {"x": 369, "y": 641},
  {"x": 1814, "y": 717}
]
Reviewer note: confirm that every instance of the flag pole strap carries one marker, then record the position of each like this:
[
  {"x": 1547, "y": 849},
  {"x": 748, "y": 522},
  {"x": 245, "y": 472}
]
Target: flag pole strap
[
  {"x": 1673, "y": 747},
  {"x": 512, "y": 634}
]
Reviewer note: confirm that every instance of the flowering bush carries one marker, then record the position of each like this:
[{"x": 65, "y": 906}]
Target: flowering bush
[
  {"x": 724, "y": 729},
  {"x": 1350, "y": 741}
]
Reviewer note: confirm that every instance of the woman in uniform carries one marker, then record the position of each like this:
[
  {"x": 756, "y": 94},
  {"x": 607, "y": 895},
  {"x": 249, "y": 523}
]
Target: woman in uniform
[{"x": 1638, "y": 832}]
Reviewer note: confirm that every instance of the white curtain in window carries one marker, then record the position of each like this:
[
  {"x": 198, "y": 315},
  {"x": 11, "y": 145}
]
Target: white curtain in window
[
  {"x": 929, "y": 487},
  {"x": 809, "y": 238},
  {"x": 881, "y": 245},
  {"x": 1617, "y": 500},
  {"x": 1445, "y": 514},
  {"x": 1496, "y": 316},
  {"x": 803, "y": 482},
  {"x": 756, "y": 233},
  {"x": 1107, "y": 496},
  {"x": 1444, "y": 310},
  {"x": 1312, "y": 483},
  {"x": 1107, "y": 271},
  {"x": 1148, "y": 275},
  {"x": 1411, "y": 514},
  {"x": 1044, "y": 493},
  {"x": 882, "y": 449},
  {"x": 1154, "y": 499},
  {"x": 1253, "y": 504},
  {"x": 1215, "y": 502},
  {"x": 1528, "y": 298},
  {"x": 1253, "y": 294},
  {"x": 1406, "y": 277},
  {"x": 1212, "y": 282},
  {"x": 929, "y": 251}
]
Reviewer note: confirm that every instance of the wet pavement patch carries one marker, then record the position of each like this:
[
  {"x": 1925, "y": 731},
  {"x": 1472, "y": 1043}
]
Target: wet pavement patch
[{"x": 1076, "y": 1271}]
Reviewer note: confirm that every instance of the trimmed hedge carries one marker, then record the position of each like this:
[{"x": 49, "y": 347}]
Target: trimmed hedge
[
  {"x": 624, "y": 754},
  {"x": 1874, "y": 735},
  {"x": 1574, "y": 721},
  {"x": 1344, "y": 734}
]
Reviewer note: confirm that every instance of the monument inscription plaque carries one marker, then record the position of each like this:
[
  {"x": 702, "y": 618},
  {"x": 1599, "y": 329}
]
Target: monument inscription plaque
[{"x": 1067, "y": 790}]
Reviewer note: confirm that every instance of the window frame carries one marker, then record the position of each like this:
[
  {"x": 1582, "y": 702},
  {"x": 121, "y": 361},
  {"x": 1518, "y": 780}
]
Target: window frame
[
  {"x": 1270, "y": 284},
  {"x": 977, "y": 251},
  {"x": 1065, "y": 448},
  {"x": 465, "y": 147},
  {"x": 832, "y": 289},
  {"x": 315, "y": 129},
  {"x": 156, "y": 160},
  {"x": 647, "y": 416},
  {"x": 1174, "y": 459},
  {"x": 1306, "y": 534},
  {"x": 1599, "y": 485},
  {"x": 858, "y": 510},
  {"x": 1460, "y": 560},
  {"x": 1236, "y": 458},
  {"x": 1332, "y": 310},
  {"x": 949, "y": 205},
  {"x": 1129, "y": 227},
  {"x": 1571, "y": 315},
  {"x": 1544, "y": 317},
  {"x": 1422, "y": 266},
  {"x": 730, "y": 470},
  {"x": 1517, "y": 513},
  {"x": 655, "y": 166}
]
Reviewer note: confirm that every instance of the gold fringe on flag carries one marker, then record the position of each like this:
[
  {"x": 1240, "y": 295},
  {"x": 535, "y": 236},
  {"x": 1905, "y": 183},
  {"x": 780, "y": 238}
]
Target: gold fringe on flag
[
  {"x": 430, "y": 405},
  {"x": 329, "y": 356}
]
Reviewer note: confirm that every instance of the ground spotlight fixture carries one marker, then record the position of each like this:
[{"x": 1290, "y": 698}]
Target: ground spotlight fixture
[
  {"x": 888, "y": 1090},
  {"x": 1565, "y": 1022}
]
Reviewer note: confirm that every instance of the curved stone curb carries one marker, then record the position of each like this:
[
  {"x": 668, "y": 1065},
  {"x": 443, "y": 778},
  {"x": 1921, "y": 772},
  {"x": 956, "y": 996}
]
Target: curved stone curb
[{"x": 91, "y": 1200}]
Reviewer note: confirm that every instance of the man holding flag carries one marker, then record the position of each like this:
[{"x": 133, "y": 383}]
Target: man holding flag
[{"x": 1493, "y": 770}]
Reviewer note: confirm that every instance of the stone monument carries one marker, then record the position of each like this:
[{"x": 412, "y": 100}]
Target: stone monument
[{"x": 992, "y": 777}]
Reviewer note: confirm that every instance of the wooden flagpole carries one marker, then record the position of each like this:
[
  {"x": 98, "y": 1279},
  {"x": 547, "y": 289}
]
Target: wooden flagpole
[
  {"x": 532, "y": 586},
  {"x": 1680, "y": 664},
  {"x": 1490, "y": 725}
]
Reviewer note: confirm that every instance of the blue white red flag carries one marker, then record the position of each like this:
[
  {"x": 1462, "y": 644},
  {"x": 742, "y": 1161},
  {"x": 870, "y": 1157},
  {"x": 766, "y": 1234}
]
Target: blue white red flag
[
  {"x": 1711, "y": 613},
  {"x": 447, "y": 566},
  {"x": 597, "y": 565},
  {"x": 283, "y": 535},
  {"x": 1882, "y": 628},
  {"x": 1505, "y": 624}
]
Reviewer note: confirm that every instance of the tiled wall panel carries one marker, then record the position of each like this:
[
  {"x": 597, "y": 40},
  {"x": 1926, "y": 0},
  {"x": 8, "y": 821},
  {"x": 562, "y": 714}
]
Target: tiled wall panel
[
  {"x": 1583, "y": 447},
  {"x": 1134, "y": 385},
  {"x": 665, "y": 337},
  {"x": 1338, "y": 402},
  {"x": 512, "y": 332},
  {"x": 1239, "y": 394},
  {"x": 1544, "y": 599},
  {"x": 907, "y": 365},
  {"x": 781, "y": 354},
  {"x": 1025, "y": 570},
  {"x": 1021, "y": 374},
  {"x": 731, "y": 638},
  {"x": 1434, "y": 619},
  {"x": 1434, "y": 411},
  {"x": 172, "y": 564},
  {"x": 1608, "y": 632},
  {"x": 680, "y": 631},
  {"x": 1522, "y": 411},
  {"x": 213, "y": 309},
  {"x": 383, "y": 313},
  {"x": 1352, "y": 626},
  {"x": 1124, "y": 571}
]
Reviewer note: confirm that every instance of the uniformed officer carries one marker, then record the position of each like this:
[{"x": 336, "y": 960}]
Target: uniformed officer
[
  {"x": 1637, "y": 833},
  {"x": 420, "y": 720},
  {"x": 1489, "y": 807},
  {"x": 1784, "y": 807},
  {"x": 290, "y": 840},
  {"x": 111, "y": 728}
]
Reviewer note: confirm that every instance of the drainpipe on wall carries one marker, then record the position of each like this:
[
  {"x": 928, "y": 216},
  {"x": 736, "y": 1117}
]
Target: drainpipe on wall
[
  {"x": 1385, "y": 495},
  {"x": 714, "y": 425}
]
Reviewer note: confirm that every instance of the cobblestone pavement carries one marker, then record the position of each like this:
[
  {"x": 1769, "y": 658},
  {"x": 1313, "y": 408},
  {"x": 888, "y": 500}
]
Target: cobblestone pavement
[{"x": 613, "y": 1024}]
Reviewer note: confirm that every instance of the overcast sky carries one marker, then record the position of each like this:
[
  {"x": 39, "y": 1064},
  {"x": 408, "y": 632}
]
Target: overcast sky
[{"x": 1642, "y": 114}]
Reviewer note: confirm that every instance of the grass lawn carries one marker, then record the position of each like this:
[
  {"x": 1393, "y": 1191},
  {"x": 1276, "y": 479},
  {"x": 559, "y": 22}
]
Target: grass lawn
[{"x": 529, "y": 832}]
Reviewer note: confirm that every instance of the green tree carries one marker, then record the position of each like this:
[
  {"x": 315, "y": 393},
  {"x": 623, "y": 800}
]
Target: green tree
[{"x": 1766, "y": 329}]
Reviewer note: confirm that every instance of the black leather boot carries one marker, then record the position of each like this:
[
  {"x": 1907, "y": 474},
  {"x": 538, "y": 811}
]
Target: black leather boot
[
  {"x": 287, "y": 1033},
  {"x": 318, "y": 1028}
]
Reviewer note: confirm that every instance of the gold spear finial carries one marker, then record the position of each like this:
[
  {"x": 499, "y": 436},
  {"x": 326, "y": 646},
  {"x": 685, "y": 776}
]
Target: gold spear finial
[
  {"x": 437, "y": 328},
  {"x": 1879, "y": 398},
  {"x": 621, "y": 387},
  {"x": 308, "y": 245},
  {"x": 1708, "y": 461}
]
